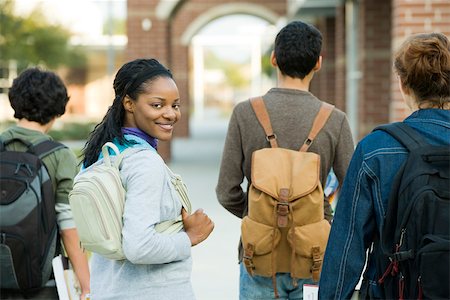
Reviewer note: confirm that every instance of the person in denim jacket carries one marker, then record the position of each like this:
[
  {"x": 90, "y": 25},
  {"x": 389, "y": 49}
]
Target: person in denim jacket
[{"x": 422, "y": 65}]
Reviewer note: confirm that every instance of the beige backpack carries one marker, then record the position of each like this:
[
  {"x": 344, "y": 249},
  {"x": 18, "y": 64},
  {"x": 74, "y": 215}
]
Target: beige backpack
[
  {"x": 285, "y": 230},
  {"x": 98, "y": 200}
]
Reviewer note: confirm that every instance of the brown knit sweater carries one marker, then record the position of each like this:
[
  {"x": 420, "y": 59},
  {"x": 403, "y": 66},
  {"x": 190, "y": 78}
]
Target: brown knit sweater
[{"x": 291, "y": 113}]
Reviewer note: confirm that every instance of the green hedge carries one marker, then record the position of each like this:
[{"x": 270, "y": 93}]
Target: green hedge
[
  {"x": 69, "y": 131},
  {"x": 72, "y": 131}
]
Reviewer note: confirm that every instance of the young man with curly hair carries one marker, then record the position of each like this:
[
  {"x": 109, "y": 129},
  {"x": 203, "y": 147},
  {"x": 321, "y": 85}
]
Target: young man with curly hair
[{"x": 38, "y": 98}]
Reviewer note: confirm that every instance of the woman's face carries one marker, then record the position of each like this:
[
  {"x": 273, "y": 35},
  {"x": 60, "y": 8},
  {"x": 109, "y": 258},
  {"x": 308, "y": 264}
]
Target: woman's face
[{"x": 156, "y": 110}]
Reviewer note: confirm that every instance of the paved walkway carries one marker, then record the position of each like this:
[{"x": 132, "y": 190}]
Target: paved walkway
[{"x": 215, "y": 269}]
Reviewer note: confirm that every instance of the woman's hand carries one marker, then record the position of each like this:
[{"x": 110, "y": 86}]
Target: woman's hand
[{"x": 198, "y": 226}]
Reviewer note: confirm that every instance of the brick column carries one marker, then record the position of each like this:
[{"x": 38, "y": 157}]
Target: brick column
[
  {"x": 410, "y": 17},
  {"x": 153, "y": 43},
  {"x": 324, "y": 85},
  {"x": 339, "y": 58},
  {"x": 375, "y": 57}
]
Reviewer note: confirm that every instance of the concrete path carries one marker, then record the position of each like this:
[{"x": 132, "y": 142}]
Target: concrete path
[{"x": 215, "y": 272}]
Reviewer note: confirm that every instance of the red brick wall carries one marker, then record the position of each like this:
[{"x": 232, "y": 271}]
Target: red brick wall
[
  {"x": 185, "y": 14},
  {"x": 163, "y": 42},
  {"x": 152, "y": 43},
  {"x": 323, "y": 85},
  {"x": 375, "y": 64},
  {"x": 409, "y": 17},
  {"x": 147, "y": 44},
  {"x": 339, "y": 58}
]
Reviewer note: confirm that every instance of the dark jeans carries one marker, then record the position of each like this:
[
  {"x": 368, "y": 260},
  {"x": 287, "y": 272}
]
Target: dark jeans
[{"x": 47, "y": 293}]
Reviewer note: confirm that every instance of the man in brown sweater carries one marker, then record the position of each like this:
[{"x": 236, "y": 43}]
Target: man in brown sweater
[{"x": 292, "y": 109}]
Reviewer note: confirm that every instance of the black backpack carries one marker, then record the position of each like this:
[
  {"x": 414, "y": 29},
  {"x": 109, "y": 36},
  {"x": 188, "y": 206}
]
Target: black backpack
[
  {"x": 415, "y": 238},
  {"x": 29, "y": 234}
]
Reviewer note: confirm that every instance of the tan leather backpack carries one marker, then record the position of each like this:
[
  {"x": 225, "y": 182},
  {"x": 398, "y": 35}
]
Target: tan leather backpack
[{"x": 285, "y": 230}]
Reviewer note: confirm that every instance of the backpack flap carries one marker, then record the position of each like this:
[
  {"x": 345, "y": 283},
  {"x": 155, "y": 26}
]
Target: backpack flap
[{"x": 276, "y": 169}]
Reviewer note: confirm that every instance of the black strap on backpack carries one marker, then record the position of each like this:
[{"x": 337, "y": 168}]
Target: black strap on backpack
[
  {"x": 409, "y": 138},
  {"x": 41, "y": 149},
  {"x": 412, "y": 140}
]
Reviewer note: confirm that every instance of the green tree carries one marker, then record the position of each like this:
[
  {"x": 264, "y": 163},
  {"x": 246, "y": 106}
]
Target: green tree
[
  {"x": 33, "y": 41},
  {"x": 118, "y": 26},
  {"x": 266, "y": 64},
  {"x": 233, "y": 71}
]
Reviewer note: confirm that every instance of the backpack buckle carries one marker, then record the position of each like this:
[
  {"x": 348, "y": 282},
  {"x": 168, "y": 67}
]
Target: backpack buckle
[
  {"x": 248, "y": 258},
  {"x": 403, "y": 255},
  {"x": 270, "y": 137},
  {"x": 282, "y": 212},
  {"x": 317, "y": 263}
]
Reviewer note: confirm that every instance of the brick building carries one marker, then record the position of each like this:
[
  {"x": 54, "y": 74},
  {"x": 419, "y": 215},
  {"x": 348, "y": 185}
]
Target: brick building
[{"x": 360, "y": 37}]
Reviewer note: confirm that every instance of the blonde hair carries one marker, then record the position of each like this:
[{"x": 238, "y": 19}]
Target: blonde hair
[{"x": 423, "y": 65}]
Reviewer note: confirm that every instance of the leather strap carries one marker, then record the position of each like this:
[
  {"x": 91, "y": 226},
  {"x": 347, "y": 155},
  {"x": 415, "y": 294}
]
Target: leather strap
[
  {"x": 263, "y": 117},
  {"x": 320, "y": 120},
  {"x": 248, "y": 259},
  {"x": 317, "y": 263},
  {"x": 283, "y": 208}
]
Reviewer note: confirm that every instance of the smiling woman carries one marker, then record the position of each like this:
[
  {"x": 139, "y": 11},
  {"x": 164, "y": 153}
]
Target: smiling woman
[
  {"x": 157, "y": 263},
  {"x": 157, "y": 109}
]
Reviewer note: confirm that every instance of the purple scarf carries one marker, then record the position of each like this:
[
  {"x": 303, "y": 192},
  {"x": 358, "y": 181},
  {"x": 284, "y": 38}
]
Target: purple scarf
[{"x": 139, "y": 133}]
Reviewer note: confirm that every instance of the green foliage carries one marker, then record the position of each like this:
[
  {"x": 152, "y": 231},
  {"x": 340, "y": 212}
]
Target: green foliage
[
  {"x": 233, "y": 71},
  {"x": 32, "y": 41},
  {"x": 266, "y": 64},
  {"x": 118, "y": 27},
  {"x": 72, "y": 131}
]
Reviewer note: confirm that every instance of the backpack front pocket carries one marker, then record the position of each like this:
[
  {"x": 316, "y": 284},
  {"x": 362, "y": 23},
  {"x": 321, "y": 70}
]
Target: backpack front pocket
[
  {"x": 308, "y": 243},
  {"x": 259, "y": 241},
  {"x": 433, "y": 260}
]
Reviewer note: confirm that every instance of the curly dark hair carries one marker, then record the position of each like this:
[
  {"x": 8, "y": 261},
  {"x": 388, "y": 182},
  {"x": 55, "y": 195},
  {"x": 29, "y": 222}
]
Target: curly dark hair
[
  {"x": 38, "y": 96},
  {"x": 297, "y": 48}
]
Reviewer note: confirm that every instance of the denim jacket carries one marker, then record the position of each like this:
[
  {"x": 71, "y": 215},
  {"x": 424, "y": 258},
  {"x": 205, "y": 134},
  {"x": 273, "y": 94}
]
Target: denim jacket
[{"x": 362, "y": 205}]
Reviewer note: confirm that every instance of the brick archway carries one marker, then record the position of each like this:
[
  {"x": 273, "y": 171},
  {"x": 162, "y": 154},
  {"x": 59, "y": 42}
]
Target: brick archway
[{"x": 172, "y": 26}]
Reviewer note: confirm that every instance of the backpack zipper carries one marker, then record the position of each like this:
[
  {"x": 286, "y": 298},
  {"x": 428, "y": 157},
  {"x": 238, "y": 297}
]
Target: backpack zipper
[
  {"x": 5, "y": 235},
  {"x": 18, "y": 165}
]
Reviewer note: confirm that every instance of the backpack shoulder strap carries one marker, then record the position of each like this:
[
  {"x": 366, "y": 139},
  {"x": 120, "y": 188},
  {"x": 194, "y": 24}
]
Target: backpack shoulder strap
[
  {"x": 106, "y": 156},
  {"x": 410, "y": 139},
  {"x": 320, "y": 120},
  {"x": 44, "y": 148},
  {"x": 40, "y": 149},
  {"x": 263, "y": 117},
  {"x": 403, "y": 133},
  {"x": 5, "y": 143}
]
